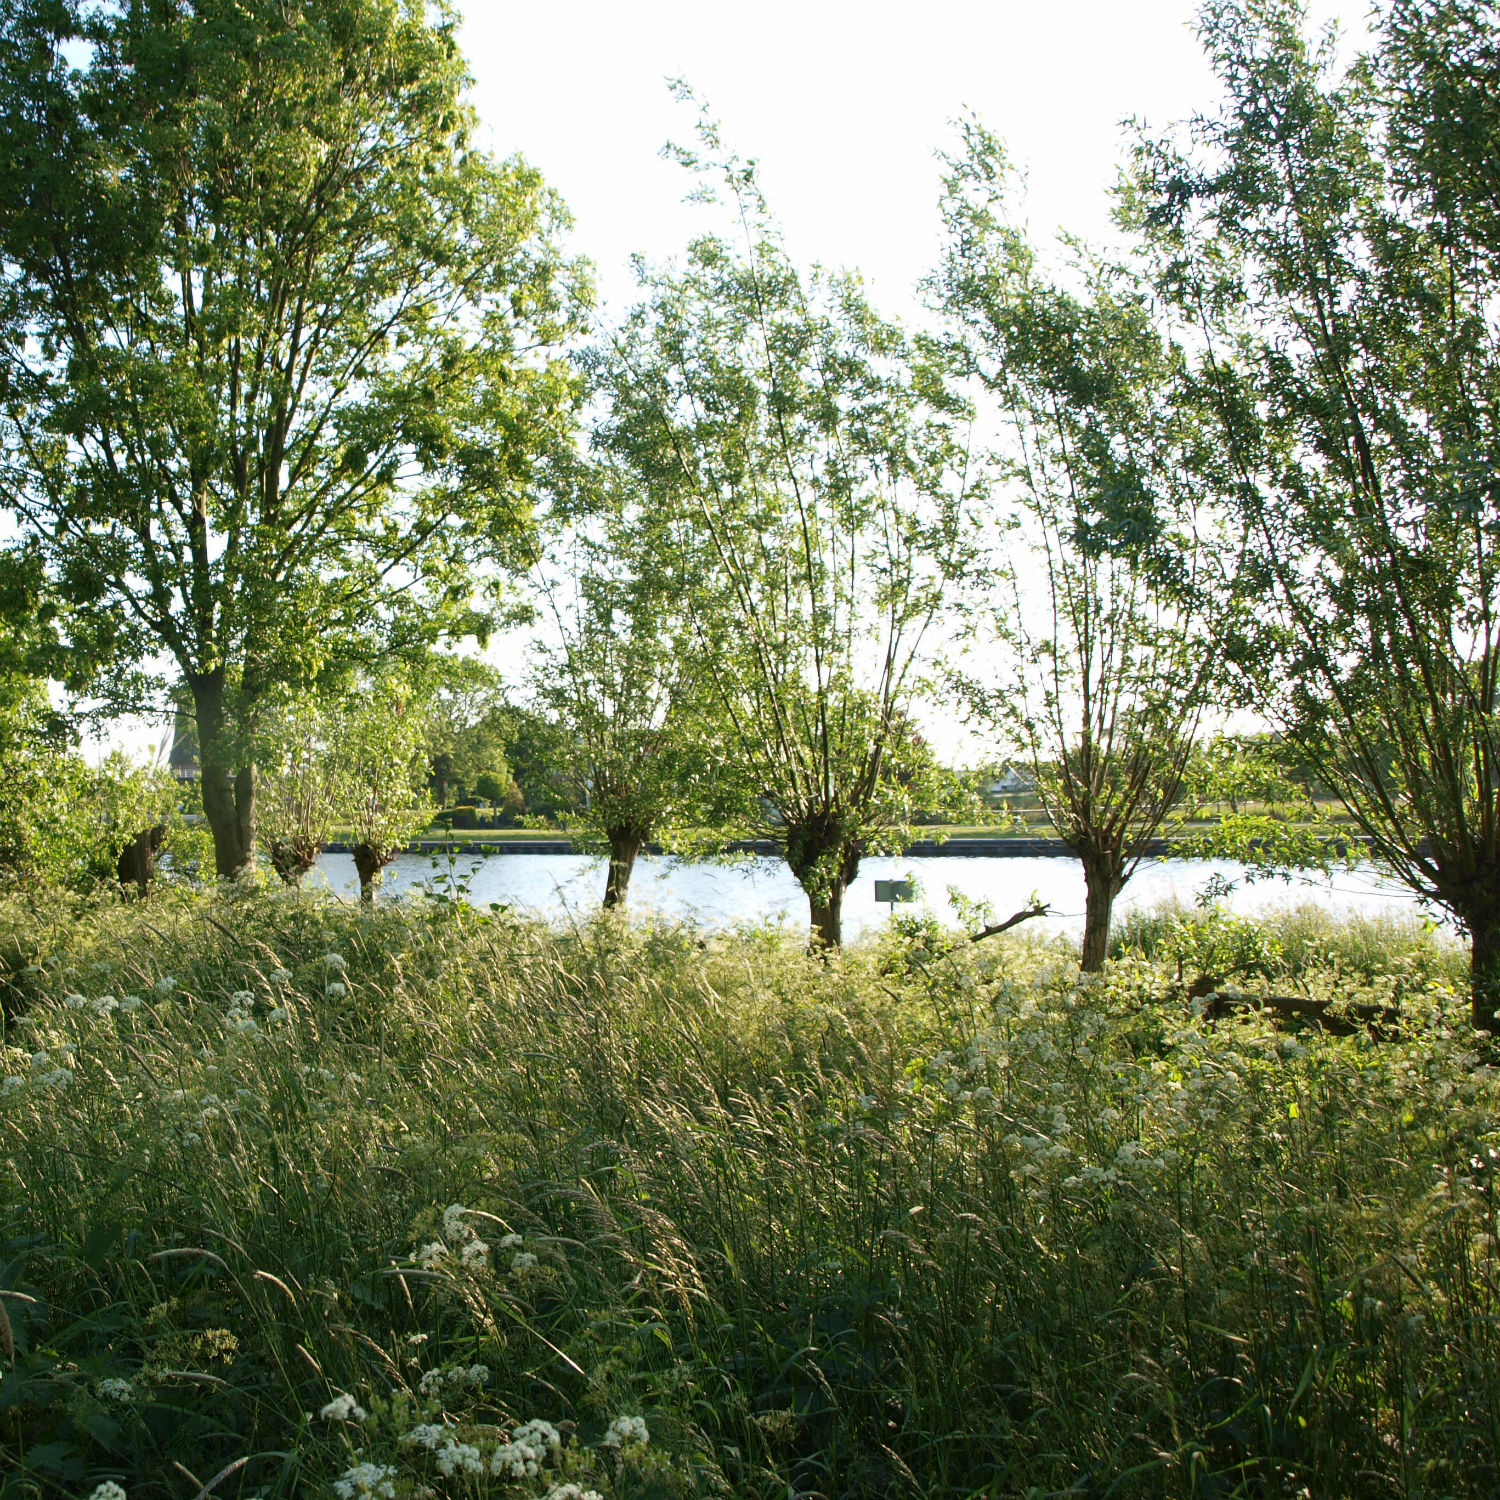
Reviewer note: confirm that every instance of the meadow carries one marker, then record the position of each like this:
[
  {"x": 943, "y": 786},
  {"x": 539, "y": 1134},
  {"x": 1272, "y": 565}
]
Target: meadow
[{"x": 298, "y": 1199}]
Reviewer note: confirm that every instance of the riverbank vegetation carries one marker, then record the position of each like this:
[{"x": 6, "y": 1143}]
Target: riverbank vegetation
[{"x": 412, "y": 1201}]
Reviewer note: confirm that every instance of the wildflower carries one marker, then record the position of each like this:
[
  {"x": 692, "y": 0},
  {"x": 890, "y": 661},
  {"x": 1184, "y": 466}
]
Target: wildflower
[
  {"x": 242, "y": 999},
  {"x": 523, "y": 1260},
  {"x": 476, "y": 1255},
  {"x": 458, "y": 1458},
  {"x": 424, "y": 1435},
  {"x": 279, "y": 977},
  {"x": 417, "y": 1338},
  {"x": 572, "y": 1492},
  {"x": 12, "y": 1083},
  {"x": 109, "y": 1490},
  {"x": 366, "y": 1482},
  {"x": 334, "y": 961},
  {"x": 430, "y": 1254},
  {"x": 130, "y": 1002},
  {"x": 58, "y": 1078},
  {"x": 277, "y": 1016},
  {"x": 237, "y": 1020},
  {"x": 343, "y": 1409},
  {"x": 626, "y": 1432},
  {"x": 104, "y": 1004},
  {"x": 454, "y": 1227},
  {"x": 511, "y": 1241},
  {"x": 74, "y": 1002},
  {"x": 337, "y": 988},
  {"x": 40, "y": 1059},
  {"x": 165, "y": 985},
  {"x": 523, "y": 1456},
  {"x": 113, "y": 1388}
]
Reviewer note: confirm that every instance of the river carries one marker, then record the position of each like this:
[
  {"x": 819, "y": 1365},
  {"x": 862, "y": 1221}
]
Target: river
[{"x": 760, "y": 889}]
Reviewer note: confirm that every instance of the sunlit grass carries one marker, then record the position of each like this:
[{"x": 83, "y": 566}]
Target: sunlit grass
[{"x": 913, "y": 1222}]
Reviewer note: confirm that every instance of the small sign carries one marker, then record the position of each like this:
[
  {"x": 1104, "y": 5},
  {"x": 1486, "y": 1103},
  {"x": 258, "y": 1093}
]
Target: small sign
[{"x": 892, "y": 891}]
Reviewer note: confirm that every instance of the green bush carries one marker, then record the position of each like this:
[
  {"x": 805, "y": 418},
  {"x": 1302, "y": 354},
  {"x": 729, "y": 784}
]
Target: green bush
[{"x": 273, "y": 1170}]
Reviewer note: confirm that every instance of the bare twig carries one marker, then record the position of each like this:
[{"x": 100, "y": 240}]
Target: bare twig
[{"x": 1040, "y": 909}]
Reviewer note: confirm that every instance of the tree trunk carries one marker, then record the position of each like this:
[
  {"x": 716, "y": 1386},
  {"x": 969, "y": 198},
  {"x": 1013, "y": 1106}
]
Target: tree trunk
[
  {"x": 1102, "y": 883},
  {"x": 368, "y": 861},
  {"x": 827, "y": 916},
  {"x": 228, "y": 789},
  {"x": 825, "y": 862},
  {"x": 1484, "y": 972},
  {"x": 137, "y": 862},
  {"x": 624, "y": 846}
]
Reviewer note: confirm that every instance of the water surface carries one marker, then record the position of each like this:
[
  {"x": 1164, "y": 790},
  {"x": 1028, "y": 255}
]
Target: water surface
[{"x": 760, "y": 889}]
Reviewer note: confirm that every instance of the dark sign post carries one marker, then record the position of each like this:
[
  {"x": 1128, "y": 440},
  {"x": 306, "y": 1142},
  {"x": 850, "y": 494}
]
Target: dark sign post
[{"x": 892, "y": 891}]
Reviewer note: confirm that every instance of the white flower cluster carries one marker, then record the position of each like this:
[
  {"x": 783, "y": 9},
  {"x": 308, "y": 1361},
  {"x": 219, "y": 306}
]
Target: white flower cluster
[
  {"x": 429, "y": 1255},
  {"x": 114, "y": 1388},
  {"x": 334, "y": 961},
  {"x": 626, "y": 1432},
  {"x": 451, "y": 1456},
  {"x": 165, "y": 985},
  {"x": 343, "y": 1409},
  {"x": 109, "y": 1490},
  {"x": 572, "y": 1492},
  {"x": 237, "y": 1017},
  {"x": 366, "y": 1482},
  {"x": 130, "y": 1002},
  {"x": 528, "y": 1449},
  {"x": 460, "y": 1377},
  {"x": 523, "y": 1260},
  {"x": 475, "y": 1255},
  {"x": 279, "y": 977},
  {"x": 47, "y": 1075}
]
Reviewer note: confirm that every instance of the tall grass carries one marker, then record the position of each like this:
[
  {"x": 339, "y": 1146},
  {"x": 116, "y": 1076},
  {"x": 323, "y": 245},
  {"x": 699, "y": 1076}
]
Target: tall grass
[{"x": 910, "y": 1223}]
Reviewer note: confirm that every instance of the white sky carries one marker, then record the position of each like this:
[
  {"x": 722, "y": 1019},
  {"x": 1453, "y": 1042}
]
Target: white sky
[{"x": 843, "y": 105}]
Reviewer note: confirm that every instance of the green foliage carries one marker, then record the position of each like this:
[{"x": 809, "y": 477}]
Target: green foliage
[
  {"x": 616, "y": 674},
  {"x": 811, "y": 492},
  {"x": 1332, "y": 232},
  {"x": 335, "y": 393},
  {"x": 959, "y": 1227},
  {"x": 64, "y": 822}
]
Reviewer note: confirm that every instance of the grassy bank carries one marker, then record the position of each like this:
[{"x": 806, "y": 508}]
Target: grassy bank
[{"x": 294, "y": 1196}]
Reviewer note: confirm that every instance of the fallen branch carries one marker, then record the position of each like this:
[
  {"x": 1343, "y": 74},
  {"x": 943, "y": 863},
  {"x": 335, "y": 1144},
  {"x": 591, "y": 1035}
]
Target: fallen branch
[
  {"x": 1039, "y": 910},
  {"x": 1337, "y": 1018}
]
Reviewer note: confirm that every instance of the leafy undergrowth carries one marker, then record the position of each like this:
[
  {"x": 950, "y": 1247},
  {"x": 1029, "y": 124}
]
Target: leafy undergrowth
[{"x": 302, "y": 1200}]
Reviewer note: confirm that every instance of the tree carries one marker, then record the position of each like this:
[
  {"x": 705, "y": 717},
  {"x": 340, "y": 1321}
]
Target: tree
[
  {"x": 381, "y": 739},
  {"x": 810, "y": 494},
  {"x": 301, "y": 793},
  {"x": 1106, "y": 655},
  {"x": 615, "y": 678},
  {"x": 1337, "y": 238},
  {"x": 273, "y": 340}
]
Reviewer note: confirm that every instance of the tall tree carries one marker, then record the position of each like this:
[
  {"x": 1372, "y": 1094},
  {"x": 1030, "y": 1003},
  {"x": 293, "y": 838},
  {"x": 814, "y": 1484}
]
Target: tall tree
[
  {"x": 1337, "y": 237},
  {"x": 1095, "y": 590},
  {"x": 813, "y": 496},
  {"x": 273, "y": 338}
]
